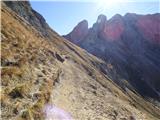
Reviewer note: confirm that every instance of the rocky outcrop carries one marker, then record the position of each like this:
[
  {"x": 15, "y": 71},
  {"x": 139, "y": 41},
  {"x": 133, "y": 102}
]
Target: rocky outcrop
[
  {"x": 131, "y": 44},
  {"x": 149, "y": 26},
  {"x": 79, "y": 32},
  {"x": 25, "y": 10},
  {"x": 113, "y": 29},
  {"x": 101, "y": 22}
]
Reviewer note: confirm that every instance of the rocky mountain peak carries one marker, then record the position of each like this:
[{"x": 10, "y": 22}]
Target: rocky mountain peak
[
  {"x": 101, "y": 19},
  {"x": 117, "y": 16},
  {"x": 83, "y": 22},
  {"x": 79, "y": 32},
  {"x": 82, "y": 26},
  {"x": 130, "y": 15},
  {"x": 100, "y": 23},
  {"x": 114, "y": 28}
]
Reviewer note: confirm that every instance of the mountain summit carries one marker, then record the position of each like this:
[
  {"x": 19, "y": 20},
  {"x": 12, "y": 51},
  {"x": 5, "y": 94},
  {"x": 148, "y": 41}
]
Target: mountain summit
[{"x": 79, "y": 32}]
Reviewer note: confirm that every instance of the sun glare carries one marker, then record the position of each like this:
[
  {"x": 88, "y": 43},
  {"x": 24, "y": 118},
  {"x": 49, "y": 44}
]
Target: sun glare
[{"x": 106, "y": 4}]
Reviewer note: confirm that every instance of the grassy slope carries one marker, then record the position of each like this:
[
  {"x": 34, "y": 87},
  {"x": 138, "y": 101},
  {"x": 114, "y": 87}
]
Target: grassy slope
[{"x": 33, "y": 70}]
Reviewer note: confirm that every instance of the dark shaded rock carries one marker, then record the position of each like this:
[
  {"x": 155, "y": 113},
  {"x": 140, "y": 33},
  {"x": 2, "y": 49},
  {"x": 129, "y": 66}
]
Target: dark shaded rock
[
  {"x": 59, "y": 58},
  {"x": 9, "y": 63},
  {"x": 132, "y": 118},
  {"x": 15, "y": 111},
  {"x": 16, "y": 93}
]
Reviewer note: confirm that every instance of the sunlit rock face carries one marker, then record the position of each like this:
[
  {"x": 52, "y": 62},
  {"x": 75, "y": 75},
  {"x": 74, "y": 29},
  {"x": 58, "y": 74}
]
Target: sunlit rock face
[
  {"x": 149, "y": 26},
  {"x": 79, "y": 32},
  {"x": 131, "y": 44},
  {"x": 114, "y": 28}
]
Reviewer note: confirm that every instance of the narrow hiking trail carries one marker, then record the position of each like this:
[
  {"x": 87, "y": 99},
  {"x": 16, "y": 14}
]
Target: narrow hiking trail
[{"x": 85, "y": 99}]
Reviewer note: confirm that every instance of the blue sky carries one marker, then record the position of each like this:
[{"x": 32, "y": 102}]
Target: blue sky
[{"x": 64, "y": 15}]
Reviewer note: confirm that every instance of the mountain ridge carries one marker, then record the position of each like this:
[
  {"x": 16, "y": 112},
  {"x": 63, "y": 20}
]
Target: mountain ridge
[{"x": 121, "y": 41}]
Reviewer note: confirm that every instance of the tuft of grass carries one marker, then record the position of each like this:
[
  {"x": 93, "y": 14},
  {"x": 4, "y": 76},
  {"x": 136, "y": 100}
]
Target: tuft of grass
[
  {"x": 4, "y": 100},
  {"x": 11, "y": 70},
  {"x": 26, "y": 115},
  {"x": 34, "y": 112},
  {"x": 18, "y": 92}
]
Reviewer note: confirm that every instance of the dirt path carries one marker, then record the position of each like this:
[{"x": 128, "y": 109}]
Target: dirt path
[{"x": 81, "y": 97}]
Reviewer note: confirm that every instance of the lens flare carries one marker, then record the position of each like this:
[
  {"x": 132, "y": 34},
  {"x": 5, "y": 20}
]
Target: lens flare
[{"x": 54, "y": 113}]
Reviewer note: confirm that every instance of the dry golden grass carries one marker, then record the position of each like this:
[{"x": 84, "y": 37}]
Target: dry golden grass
[
  {"x": 10, "y": 71},
  {"x": 24, "y": 59}
]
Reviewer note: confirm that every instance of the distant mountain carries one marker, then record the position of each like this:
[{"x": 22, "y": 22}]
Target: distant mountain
[
  {"x": 129, "y": 43},
  {"x": 46, "y": 77}
]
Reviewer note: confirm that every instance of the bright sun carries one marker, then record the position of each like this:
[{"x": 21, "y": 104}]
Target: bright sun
[{"x": 105, "y": 4}]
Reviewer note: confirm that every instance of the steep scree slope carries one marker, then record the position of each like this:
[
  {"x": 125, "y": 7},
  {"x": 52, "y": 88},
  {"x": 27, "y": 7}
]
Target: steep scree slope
[{"x": 38, "y": 71}]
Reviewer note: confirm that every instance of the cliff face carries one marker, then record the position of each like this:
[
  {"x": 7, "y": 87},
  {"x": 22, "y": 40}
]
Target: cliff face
[
  {"x": 78, "y": 33},
  {"x": 131, "y": 44},
  {"x": 50, "y": 78}
]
